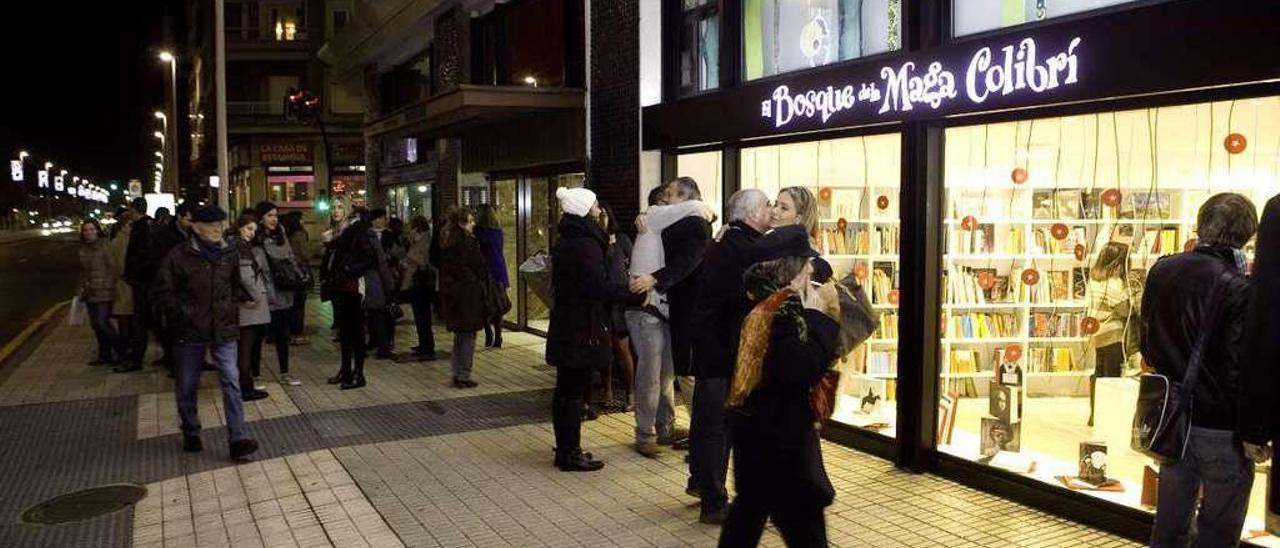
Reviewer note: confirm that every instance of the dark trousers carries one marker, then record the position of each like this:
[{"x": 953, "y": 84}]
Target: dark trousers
[
  {"x": 381, "y": 326},
  {"x": 110, "y": 346},
  {"x": 420, "y": 300},
  {"x": 249, "y": 354},
  {"x": 566, "y": 406},
  {"x": 709, "y": 442},
  {"x": 146, "y": 320},
  {"x": 298, "y": 314},
  {"x": 279, "y": 329},
  {"x": 349, "y": 316},
  {"x": 801, "y": 526},
  {"x": 1204, "y": 497}
]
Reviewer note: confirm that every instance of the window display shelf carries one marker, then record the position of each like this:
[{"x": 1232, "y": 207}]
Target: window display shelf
[
  {"x": 1063, "y": 304},
  {"x": 986, "y": 306},
  {"x": 883, "y": 341},
  {"x": 1057, "y": 340},
  {"x": 985, "y": 340}
]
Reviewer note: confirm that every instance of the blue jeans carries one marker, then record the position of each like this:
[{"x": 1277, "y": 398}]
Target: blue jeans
[
  {"x": 655, "y": 375},
  {"x": 709, "y": 442},
  {"x": 110, "y": 346},
  {"x": 1216, "y": 463},
  {"x": 188, "y": 360}
]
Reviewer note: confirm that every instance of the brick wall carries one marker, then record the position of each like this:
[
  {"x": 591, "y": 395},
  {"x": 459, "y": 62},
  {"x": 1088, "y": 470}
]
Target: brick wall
[{"x": 614, "y": 170}]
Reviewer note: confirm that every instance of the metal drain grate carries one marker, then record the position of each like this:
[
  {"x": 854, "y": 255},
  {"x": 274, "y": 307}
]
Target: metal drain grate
[{"x": 89, "y": 503}]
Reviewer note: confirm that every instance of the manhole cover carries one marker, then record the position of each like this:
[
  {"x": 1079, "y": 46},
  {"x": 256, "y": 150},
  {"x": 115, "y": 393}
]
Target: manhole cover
[{"x": 85, "y": 504}]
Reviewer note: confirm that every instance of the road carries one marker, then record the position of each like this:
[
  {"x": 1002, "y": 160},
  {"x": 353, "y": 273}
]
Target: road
[{"x": 34, "y": 275}]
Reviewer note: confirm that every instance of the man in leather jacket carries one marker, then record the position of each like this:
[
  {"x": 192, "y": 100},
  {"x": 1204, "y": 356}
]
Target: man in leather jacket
[{"x": 1181, "y": 292}]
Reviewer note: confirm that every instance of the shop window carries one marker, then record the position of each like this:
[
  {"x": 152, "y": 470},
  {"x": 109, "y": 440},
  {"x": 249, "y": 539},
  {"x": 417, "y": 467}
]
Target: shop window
[
  {"x": 705, "y": 169},
  {"x": 1036, "y": 213},
  {"x": 855, "y": 182},
  {"x": 289, "y": 189},
  {"x": 699, "y": 46},
  {"x": 785, "y": 35},
  {"x": 974, "y": 16}
]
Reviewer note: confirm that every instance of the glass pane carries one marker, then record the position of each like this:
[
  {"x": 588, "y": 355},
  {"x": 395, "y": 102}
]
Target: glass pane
[
  {"x": 700, "y": 49},
  {"x": 704, "y": 167},
  {"x": 504, "y": 203},
  {"x": 972, "y": 16},
  {"x": 785, "y": 35},
  {"x": 855, "y": 183},
  {"x": 538, "y": 238},
  {"x": 1040, "y": 318}
]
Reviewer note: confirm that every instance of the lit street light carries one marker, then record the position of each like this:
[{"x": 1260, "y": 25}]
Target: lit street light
[
  {"x": 159, "y": 155},
  {"x": 48, "y": 165},
  {"x": 159, "y": 136},
  {"x": 172, "y": 156},
  {"x": 22, "y": 155}
]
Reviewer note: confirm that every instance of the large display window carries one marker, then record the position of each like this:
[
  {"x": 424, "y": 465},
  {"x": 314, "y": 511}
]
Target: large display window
[
  {"x": 784, "y": 35},
  {"x": 1051, "y": 226},
  {"x": 856, "y": 183},
  {"x": 705, "y": 168},
  {"x": 974, "y": 16}
]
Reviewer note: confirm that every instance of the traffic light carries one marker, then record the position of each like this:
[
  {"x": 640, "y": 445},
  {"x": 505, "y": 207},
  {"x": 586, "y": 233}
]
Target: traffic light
[
  {"x": 322, "y": 202},
  {"x": 300, "y": 104}
]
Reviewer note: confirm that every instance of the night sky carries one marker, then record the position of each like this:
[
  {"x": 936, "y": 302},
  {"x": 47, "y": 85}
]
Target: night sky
[{"x": 80, "y": 90}]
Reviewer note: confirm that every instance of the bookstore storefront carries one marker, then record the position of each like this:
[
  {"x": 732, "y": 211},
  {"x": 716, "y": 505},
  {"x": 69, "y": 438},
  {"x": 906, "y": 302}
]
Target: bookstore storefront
[{"x": 994, "y": 194}]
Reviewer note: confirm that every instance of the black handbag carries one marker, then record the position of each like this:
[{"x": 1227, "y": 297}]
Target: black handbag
[
  {"x": 288, "y": 275},
  {"x": 1162, "y": 420}
]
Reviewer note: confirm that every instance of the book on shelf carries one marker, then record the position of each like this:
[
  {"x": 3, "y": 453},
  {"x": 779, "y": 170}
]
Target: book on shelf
[
  {"x": 888, "y": 238},
  {"x": 1043, "y": 204},
  {"x": 1151, "y": 205},
  {"x": 979, "y": 325},
  {"x": 961, "y": 286},
  {"x": 1016, "y": 243},
  {"x": 963, "y": 360},
  {"x": 870, "y": 393},
  {"x": 888, "y": 327},
  {"x": 1003, "y": 401},
  {"x": 979, "y": 241},
  {"x": 1067, "y": 204},
  {"x": 881, "y": 362},
  {"x": 884, "y": 278},
  {"x": 1046, "y": 244},
  {"x": 1079, "y": 283},
  {"x": 1062, "y": 361},
  {"x": 947, "y": 407},
  {"x": 1055, "y": 324},
  {"x": 997, "y": 436},
  {"x": 1091, "y": 206},
  {"x": 1059, "y": 285},
  {"x": 1056, "y": 359}
]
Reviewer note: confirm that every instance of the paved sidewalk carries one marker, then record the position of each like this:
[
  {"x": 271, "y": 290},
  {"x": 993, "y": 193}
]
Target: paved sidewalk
[{"x": 407, "y": 461}]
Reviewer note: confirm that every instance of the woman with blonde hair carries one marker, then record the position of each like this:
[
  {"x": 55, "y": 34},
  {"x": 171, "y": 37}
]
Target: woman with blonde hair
[{"x": 796, "y": 205}]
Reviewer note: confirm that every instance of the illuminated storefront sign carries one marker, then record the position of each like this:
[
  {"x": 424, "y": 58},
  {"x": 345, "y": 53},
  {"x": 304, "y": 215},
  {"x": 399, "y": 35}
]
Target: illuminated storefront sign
[
  {"x": 1012, "y": 69},
  {"x": 15, "y": 170}
]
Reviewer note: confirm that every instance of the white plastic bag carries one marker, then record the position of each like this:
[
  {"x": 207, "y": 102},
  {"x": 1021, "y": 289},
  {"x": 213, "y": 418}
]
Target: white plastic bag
[{"x": 76, "y": 315}]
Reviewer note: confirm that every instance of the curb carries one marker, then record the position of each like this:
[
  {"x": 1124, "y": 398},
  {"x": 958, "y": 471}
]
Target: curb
[{"x": 14, "y": 344}]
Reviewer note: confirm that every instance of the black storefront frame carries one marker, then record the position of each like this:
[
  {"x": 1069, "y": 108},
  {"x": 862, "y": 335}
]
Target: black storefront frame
[{"x": 927, "y": 24}]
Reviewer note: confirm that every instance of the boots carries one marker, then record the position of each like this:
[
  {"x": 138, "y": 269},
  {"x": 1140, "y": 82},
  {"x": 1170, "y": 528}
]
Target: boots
[
  {"x": 576, "y": 460},
  {"x": 356, "y": 381}
]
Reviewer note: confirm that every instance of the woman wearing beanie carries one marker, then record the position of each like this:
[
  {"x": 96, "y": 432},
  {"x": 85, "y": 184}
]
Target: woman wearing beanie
[
  {"x": 579, "y": 339},
  {"x": 255, "y": 316},
  {"x": 285, "y": 271},
  {"x": 463, "y": 277}
]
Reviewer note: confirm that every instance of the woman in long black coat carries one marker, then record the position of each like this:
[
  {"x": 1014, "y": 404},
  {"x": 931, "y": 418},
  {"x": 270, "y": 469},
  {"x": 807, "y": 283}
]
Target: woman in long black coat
[
  {"x": 464, "y": 276},
  {"x": 579, "y": 340}
]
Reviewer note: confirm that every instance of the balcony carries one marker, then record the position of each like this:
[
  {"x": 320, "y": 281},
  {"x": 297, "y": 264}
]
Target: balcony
[
  {"x": 262, "y": 44},
  {"x": 268, "y": 117}
]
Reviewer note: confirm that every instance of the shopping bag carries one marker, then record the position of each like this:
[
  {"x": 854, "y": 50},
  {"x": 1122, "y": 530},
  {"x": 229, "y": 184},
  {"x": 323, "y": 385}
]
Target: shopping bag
[{"x": 77, "y": 313}]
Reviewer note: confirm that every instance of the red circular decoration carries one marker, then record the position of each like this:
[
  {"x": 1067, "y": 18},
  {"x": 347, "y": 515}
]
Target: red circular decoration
[
  {"x": 1080, "y": 252},
  {"x": 969, "y": 223},
  {"x": 824, "y": 194},
  {"x": 842, "y": 224},
  {"x": 1235, "y": 143},
  {"x": 860, "y": 271},
  {"x": 1089, "y": 325},
  {"x": 1031, "y": 276},
  {"x": 1111, "y": 197},
  {"x": 892, "y": 297},
  {"x": 986, "y": 280},
  {"x": 1019, "y": 175},
  {"x": 1013, "y": 353},
  {"x": 882, "y": 202},
  {"x": 1059, "y": 231},
  {"x": 1190, "y": 245}
]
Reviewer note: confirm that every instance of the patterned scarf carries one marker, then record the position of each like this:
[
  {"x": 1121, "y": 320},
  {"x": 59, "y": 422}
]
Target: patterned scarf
[{"x": 757, "y": 330}]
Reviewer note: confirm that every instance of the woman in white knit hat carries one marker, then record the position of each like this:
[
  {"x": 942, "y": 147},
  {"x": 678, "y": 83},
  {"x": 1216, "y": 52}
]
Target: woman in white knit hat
[{"x": 578, "y": 340}]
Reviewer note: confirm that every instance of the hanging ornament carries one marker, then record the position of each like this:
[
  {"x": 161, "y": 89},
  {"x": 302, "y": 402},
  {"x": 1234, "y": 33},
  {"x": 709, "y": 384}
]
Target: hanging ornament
[
  {"x": 1019, "y": 175},
  {"x": 882, "y": 202},
  {"x": 986, "y": 280},
  {"x": 969, "y": 223},
  {"x": 1089, "y": 325},
  {"x": 1059, "y": 231},
  {"x": 1030, "y": 276},
  {"x": 892, "y": 297},
  {"x": 860, "y": 271},
  {"x": 1235, "y": 143},
  {"x": 824, "y": 194},
  {"x": 1013, "y": 353},
  {"x": 1080, "y": 252},
  {"x": 842, "y": 224},
  {"x": 1111, "y": 197},
  {"x": 1190, "y": 245}
]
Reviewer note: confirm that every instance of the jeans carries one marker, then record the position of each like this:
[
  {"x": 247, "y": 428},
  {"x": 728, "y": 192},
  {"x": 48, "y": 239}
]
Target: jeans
[
  {"x": 420, "y": 300},
  {"x": 464, "y": 353},
  {"x": 566, "y": 406},
  {"x": 298, "y": 314},
  {"x": 799, "y": 525},
  {"x": 1215, "y": 463},
  {"x": 349, "y": 318},
  {"x": 188, "y": 360},
  {"x": 381, "y": 326},
  {"x": 709, "y": 442},
  {"x": 109, "y": 343},
  {"x": 655, "y": 374},
  {"x": 249, "y": 354}
]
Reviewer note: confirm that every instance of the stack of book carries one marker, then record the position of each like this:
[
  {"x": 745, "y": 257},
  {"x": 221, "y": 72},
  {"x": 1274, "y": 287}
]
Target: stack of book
[{"x": 984, "y": 326}]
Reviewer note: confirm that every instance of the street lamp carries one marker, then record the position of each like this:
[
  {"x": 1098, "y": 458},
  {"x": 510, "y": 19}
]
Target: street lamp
[
  {"x": 159, "y": 167},
  {"x": 172, "y": 142},
  {"x": 48, "y": 165},
  {"x": 159, "y": 155},
  {"x": 159, "y": 136},
  {"x": 22, "y": 155}
]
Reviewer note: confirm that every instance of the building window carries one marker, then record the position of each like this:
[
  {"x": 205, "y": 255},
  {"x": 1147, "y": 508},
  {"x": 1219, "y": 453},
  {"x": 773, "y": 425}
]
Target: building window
[
  {"x": 784, "y": 35},
  {"x": 287, "y": 22},
  {"x": 521, "y": 43},
  {"x": 699, "y": 46},
  {"x": 1051, "y": 226},
  {"x": 974, "y": 16},
  {"x": 339, "y": 20},
  {"x": 241, "y": 20}
]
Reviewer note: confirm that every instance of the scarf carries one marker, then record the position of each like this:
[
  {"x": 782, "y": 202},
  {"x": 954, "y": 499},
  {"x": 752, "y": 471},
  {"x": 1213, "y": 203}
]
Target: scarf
[
  {"x": 211, "y": 251},
  {"x": 757, "y": 331}
]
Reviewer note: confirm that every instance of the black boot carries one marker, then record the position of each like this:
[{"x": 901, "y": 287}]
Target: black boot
[
  {"x": 341, "y": 378},
  {"x": 356, "y": 381},
  {"x": 488, "y": 336},
  {"x": 577, "y": 461}
]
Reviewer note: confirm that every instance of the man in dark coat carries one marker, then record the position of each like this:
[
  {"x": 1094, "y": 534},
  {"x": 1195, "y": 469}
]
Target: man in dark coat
[
  {"x": 684, "y": 244},
  {"x": 198, "y": 289},
  {"x": 1259, "y": 414},
  {"x": 578, "y": 339},
  {"x": 149, "y": 243},
  {"x": 1181, "y": 293},
  {"x": 717, "y": 318}
]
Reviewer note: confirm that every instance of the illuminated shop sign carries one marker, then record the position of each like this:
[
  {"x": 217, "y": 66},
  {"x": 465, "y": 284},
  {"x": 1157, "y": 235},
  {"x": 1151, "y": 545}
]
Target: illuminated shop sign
[{"x": 1014, "y": 69}]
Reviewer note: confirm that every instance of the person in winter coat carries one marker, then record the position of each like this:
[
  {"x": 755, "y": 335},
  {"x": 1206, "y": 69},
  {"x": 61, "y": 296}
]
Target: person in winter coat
[
  {"x": 380, "y": 290},
  {"x": 579, "y": 341},
  {"x": 162, "y": 237},
  {"x": 418, "y": 279},
  {"x": 198, "y": 289},
  {"x": 618, "y": 258},
  {"x": 122, "y": 306},
  {"x": 255, "y": 315},
  {"x": 788, "y": 343},
  {"x": 464, "y": 276},
  {"x": 298, "y": 239},
  {"x": 139, "y": 275},
  {"x": 97, "y": 290},
  {"x": 1181, "y": 292},
  {"x": 273, "y": 241},
  {"x": 1259, "y": 413},
  {"x": 489, "y": 232},
  {"x": 354, "y": 260}
]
